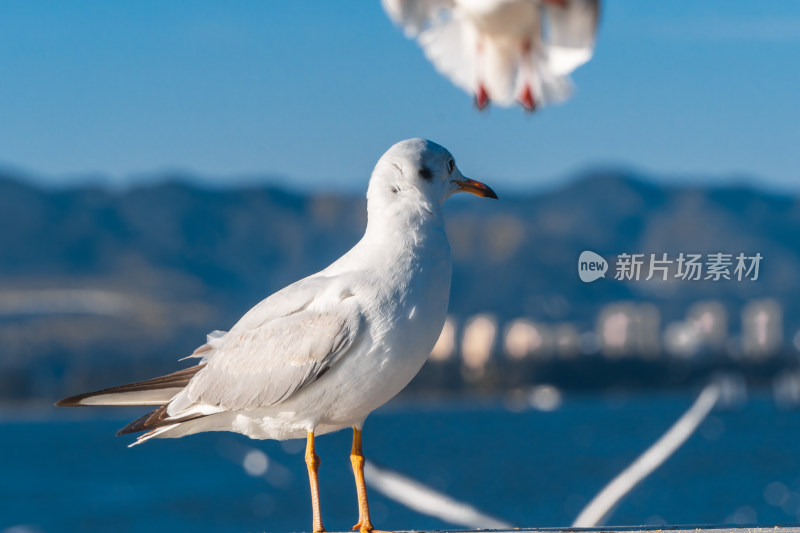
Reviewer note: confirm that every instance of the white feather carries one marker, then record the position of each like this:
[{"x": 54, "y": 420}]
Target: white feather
[
  {"x": 152, "y": 434},
  {"x": 148, "y": 397}
]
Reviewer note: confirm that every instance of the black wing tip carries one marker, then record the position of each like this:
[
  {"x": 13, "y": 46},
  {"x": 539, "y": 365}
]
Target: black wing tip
[
  {"x": 177, "y": 379},
  {"x": 72, "y": 401},
  {"x": 126, "y": 430},
  {"x": 144, "y": 422},
  {"x": 154, "y": 420}
]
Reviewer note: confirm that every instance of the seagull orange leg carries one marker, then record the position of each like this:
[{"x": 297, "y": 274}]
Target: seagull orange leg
[
  {"x": 312, "y": 462},
  {"x": 357, "y": 459}
]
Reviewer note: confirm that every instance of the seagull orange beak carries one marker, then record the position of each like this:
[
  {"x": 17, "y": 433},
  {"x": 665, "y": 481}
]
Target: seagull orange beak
[{"x": 475, "y": 187}]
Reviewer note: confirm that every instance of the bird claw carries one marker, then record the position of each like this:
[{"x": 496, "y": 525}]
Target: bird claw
[{"x": 367, "y": 529}]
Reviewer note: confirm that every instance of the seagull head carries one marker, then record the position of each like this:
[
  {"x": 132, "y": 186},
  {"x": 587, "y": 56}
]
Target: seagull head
[{"x": 421, "y": 172}]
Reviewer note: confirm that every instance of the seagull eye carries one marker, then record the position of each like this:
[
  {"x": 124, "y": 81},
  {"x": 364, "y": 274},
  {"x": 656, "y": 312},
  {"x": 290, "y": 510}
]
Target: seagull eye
[{"x": 451, "y": 164}]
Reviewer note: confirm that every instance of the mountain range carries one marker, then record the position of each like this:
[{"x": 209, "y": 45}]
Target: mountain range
[{"x": 99, "y": 286}]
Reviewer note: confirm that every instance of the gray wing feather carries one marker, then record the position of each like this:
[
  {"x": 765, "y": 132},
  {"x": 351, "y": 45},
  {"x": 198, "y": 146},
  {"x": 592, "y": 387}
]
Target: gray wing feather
[
  {"x": 287, "y": 301},
  {"x": 291, "y": 299},
  {"x": 571, "y": 32},
  {"x": 265, "y": 365}
]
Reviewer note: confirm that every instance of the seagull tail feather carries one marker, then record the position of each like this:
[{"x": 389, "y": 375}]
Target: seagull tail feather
[
  {"x": 156, "y": 421},
  {"x": 151, "y": 434}
]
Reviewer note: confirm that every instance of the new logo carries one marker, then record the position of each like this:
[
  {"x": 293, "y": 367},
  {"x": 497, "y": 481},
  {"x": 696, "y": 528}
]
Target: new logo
[{"x": 591, "y": 266}]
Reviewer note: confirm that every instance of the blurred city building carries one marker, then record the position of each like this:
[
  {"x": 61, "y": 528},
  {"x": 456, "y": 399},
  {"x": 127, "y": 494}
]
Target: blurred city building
[
  {"x": 478, "y": 345},
  {"x": 526, "y": 339},
  {"x": 762, "y": 328},
  {"x": 629, "y": 330}
]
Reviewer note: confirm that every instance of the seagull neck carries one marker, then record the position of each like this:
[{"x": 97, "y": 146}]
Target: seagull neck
[{"x": 403, "y": 224}]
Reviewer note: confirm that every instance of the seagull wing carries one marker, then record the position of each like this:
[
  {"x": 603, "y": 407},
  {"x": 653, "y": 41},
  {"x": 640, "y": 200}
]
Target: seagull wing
[
  {"x": 285, "y": 302},
  {"x": 571, "y": 31},
  {"x": 265, "y": 359},
  {"x": 445, "y": 37},
  {"x": 416, "y": 15}
]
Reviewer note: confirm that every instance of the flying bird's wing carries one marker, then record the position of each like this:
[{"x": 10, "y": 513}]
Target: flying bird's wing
[
  {"x": 447, "y": 41},
  {"x": 570, "y": 33},
  {"x": 416, "y": 15},
  {"x": 265, "y": 359}
]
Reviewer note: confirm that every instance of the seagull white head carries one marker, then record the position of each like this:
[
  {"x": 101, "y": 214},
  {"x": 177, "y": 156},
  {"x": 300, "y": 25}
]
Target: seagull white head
[{"x": 419, "y": 171}]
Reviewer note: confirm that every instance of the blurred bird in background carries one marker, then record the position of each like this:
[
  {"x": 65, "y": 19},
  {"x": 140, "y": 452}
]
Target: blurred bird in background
[{"x": 503, "y": 51}]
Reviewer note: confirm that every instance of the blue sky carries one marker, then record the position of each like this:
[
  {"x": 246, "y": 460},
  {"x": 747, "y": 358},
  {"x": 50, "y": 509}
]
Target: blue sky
[{"x": 312, "y": 92}]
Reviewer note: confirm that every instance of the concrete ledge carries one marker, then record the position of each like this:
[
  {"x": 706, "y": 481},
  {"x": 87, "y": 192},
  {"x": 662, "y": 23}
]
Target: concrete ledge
[{"x": 632, "y": 529}]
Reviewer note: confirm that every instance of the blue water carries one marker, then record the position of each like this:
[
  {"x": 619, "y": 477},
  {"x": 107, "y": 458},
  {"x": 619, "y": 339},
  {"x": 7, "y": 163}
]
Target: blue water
[{"x": 64, "y": 471}]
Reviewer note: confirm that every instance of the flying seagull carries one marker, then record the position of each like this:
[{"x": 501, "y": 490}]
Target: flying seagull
[
  {"x": 503, "y": 50},
  {"x": 321, "y": 354}
]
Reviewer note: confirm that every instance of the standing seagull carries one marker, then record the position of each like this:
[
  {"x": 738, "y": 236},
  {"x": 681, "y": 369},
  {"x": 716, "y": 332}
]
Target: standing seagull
[
  {"x": 503, "y": 50},
  {"x": 324, "y": 352}
]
